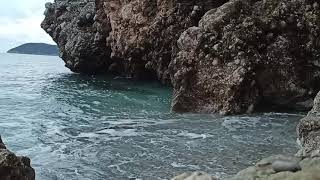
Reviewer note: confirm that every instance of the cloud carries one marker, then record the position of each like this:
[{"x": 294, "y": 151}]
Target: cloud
[{"x": 20, "y": 23}]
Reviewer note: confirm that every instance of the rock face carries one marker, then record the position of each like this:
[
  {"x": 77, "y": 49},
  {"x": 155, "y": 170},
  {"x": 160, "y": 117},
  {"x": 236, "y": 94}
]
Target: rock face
[
  {"x": 134, "y": 38},
  {"x": 81, "y": 40},
  {"x": 309, "y": 129},
  {"x": 249, "y": 55},
  {"x": 14, "y": 167},
  {"x": 231, "y": 57},
  {"x": 144, "y": 32}
]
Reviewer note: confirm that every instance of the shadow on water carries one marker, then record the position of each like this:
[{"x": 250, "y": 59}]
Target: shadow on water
[
  {"x": 94, "y": 94},
  {"x": 106, "y": 83}
]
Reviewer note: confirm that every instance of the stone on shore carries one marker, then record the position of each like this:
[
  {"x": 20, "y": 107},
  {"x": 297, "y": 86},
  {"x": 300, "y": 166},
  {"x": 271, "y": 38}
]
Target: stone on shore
[{"x": 287, "y": 168}]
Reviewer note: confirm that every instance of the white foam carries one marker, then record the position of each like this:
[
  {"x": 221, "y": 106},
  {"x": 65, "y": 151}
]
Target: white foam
[
  {"x": 96, "y": 102},
  {"x": 179, "y": 165},
  {"x": 194, "y": 135},
  {"x": 120, "y": 133},
  {"x": 235, "y": 123}
]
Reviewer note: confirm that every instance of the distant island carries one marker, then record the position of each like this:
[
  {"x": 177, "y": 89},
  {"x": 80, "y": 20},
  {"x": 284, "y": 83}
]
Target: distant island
[{"x": 36, "y": 49}]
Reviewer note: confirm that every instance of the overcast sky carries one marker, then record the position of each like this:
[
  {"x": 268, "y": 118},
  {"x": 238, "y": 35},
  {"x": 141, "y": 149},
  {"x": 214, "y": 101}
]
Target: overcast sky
[{"x": 20, "y": 23}]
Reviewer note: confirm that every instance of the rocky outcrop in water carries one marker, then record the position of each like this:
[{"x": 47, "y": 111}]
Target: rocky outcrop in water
[
  {"x": 81, "y": 39},
  {"x": 231, "y": 57},
  {"x": 14, "y": 167},
  {"x": 249, "y": 55},
  {"x": 134, "y": 38}
]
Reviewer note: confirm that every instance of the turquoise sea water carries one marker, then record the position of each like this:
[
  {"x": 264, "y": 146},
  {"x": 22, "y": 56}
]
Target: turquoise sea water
[{"x": 76, "y": 127}]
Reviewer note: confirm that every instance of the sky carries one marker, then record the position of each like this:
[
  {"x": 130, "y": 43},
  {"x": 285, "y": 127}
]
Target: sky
[{"x": 20, "y": 23}]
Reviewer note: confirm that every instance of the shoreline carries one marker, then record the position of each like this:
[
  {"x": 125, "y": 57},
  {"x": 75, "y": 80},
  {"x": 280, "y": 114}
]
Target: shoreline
[{"x": 305, "y": 164}]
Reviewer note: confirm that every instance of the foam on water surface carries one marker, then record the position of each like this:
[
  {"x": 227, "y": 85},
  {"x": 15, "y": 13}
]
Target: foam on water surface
[{"x": 83, "y": 127}]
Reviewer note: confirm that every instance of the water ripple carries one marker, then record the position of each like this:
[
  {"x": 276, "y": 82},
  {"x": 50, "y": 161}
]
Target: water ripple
[{"x": 83, "y": 127}]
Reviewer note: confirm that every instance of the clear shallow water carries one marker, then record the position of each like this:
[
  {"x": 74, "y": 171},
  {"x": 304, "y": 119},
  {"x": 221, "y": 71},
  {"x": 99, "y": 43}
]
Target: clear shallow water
[{"x": 80, "y": 127}]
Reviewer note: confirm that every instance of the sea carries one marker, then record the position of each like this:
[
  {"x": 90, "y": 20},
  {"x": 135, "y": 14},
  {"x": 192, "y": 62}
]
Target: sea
[{"x": 81, "y": 127}]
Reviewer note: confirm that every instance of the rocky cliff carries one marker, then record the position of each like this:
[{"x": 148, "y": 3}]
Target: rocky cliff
[
  {"x": 14, "y": 167},
  {"x": 236, "y": 56},
  {"x": 81, "y": 39},
  {"x": 249, "y": 55}
]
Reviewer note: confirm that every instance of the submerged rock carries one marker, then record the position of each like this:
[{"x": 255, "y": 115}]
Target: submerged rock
[{"x": 14, "y": 167}]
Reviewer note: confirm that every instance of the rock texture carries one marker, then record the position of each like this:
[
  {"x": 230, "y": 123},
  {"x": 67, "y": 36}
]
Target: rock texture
[
  {"x": 81, "y": 40},
  {"x": 14, "y": 167},
  {"x": 236, "y": 56},
  {"x": 249, "y": 55},
  {"x": 309, "y": 129},
  {"x": 144, "y": 32},
  {"x": 134, "y": 38}
]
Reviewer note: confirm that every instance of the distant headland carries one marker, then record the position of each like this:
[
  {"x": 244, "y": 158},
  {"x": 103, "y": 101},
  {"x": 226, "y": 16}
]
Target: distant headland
[{"x": 36, "y": 49}]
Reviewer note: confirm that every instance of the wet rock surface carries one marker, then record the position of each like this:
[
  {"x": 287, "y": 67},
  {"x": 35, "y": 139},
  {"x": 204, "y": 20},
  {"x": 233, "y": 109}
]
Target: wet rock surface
[{"x": 14, "y": 167}]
